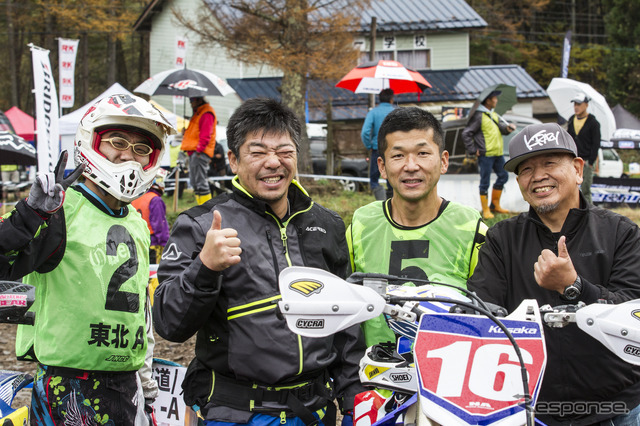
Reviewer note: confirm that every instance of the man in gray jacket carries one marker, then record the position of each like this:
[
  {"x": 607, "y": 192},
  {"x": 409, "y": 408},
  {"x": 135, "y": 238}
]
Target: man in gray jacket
[{"x": 219, "y": 278}]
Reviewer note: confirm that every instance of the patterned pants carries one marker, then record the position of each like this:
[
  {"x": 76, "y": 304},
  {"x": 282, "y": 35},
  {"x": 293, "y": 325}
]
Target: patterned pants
[{"x": 74, "y": 398}]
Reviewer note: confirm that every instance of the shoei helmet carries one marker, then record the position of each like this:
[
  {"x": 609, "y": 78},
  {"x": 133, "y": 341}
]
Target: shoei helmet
[
  {"x": 384, "y": 368},
  {"x": 128, "y": 180}
]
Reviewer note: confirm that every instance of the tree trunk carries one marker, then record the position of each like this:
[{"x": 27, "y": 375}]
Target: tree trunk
[
  {"x": 122, "y": 76},
  {"x": 84, "y": 42},
  {"x": 13, "y": 71},
  {"x": 111, "y": 60},
  {"x": 294, "y": 80},
  {"x": 294, "y": 87}
]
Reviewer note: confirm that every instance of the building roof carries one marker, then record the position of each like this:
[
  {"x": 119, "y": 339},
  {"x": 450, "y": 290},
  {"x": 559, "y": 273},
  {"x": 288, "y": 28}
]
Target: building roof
[
  {"x": 421, "y": 15},
  {"x": 448, "y": 86},
  {"x": 391, "y": 15},
  {"x": 143, "y": 23}
]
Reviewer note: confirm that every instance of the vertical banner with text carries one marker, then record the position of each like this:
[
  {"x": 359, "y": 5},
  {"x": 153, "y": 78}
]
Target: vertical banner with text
[
  {"x": 67, "y": 50},
  {"x": 47, "y": 130},
  {"x": 181, "y": 62},
  {"x": 566, "y": 52}
]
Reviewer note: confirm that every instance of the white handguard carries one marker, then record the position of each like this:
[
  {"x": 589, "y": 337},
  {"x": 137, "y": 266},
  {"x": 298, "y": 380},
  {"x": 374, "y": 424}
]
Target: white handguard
[
  {"x": 317, "y": 303},
  {"x": 615, "y": 326}
]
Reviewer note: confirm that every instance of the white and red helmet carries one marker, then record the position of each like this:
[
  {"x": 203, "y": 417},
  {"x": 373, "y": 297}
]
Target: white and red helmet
[{"x": 129, "y": 180}]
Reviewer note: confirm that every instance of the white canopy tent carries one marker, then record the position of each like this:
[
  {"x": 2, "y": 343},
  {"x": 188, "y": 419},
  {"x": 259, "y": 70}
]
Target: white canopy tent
[{"x": 68, "y": 123}]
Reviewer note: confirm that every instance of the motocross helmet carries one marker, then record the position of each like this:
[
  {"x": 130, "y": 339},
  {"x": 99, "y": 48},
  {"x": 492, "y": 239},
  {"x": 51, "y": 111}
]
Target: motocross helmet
[
  {"x": 383, "y": 367},
  {"x": 128, "y": 180}
]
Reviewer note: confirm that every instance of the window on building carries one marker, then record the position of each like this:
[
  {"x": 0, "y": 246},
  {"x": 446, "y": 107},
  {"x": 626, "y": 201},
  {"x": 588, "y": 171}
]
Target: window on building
[{"x": 415, "y": 59}]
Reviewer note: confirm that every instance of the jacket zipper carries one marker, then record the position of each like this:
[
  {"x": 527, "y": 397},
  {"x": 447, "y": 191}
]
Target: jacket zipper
[
  {"x": 273, "y": 253},
  {"x": 302, "y": 251},
  {"x": 284, "y": 238}
]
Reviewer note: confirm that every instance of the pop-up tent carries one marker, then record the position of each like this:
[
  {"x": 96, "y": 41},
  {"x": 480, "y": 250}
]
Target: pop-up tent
[
  {"x": 68, "y": 124},
  {"x": 624, "y": 119},
  {"x": 23, "y": 123}
]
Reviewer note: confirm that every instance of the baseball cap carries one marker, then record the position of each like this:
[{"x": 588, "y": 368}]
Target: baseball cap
[
  {"x": 536, "y": 139},
  {"x": 580, "y": 98}
]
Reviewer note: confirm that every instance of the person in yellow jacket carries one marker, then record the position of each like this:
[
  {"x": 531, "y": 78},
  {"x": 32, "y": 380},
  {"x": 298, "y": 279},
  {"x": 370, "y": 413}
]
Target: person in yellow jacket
[
  {"x": 482, "y": 138},
  {"x": 198, "y": 143}
]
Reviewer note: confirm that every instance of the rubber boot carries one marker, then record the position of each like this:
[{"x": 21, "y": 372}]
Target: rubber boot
[
  {"x": 201, "y": 199},
  {"x": 495, "y": 202},
  {"x": 380, "y": 193},
  {"x": 486, "y": 211}
]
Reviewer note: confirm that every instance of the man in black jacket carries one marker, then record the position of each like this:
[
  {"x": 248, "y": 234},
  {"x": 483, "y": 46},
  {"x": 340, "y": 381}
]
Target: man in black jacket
[
  {"x": 565, "y": 251},
  {"x": 219, "y": 278},
  {"x": 585, "y": 131}
]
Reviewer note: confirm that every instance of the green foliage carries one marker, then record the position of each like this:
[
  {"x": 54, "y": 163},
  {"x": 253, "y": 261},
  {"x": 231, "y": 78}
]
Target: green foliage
[
  {"x": 106, "y": 33},
  {"x": 623, "y": 66},
  {"x": 605, "y": 49}
]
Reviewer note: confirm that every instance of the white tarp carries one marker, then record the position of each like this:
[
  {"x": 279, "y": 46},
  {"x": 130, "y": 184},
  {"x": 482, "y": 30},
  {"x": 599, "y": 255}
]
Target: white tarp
[{"x": 69, "y": 122}]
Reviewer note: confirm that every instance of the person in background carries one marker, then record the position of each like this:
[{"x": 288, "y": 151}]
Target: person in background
[
  {"x": 565, "y": 251},
  {"x": 8, "y": 173},
  {"x": 585, "y": 131},
  {"x": 198, "y": 142},
  {"x": 369, "y": 136},
  {"x": 87, "y": 256},
  {"x": 482, "y": 137},
  {"x": 416, "y": 233},
  {"x": 219, "y": 168},
  {"x": 153, "y": 210},
  {"x": 219, "y": 279}
]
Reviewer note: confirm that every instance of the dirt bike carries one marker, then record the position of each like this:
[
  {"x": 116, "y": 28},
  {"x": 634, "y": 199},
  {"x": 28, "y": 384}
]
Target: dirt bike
[
  {"x": 467, "y": 362},
  {"x": 15, "y": 301}
]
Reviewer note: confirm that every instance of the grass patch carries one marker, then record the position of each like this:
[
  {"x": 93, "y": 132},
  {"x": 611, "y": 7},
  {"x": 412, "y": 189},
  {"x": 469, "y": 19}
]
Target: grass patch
[{"x": 330, "y": 194}]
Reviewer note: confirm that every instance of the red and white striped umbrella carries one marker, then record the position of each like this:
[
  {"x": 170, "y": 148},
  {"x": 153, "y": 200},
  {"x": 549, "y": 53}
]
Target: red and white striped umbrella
[{"x": 372, "y": 77}]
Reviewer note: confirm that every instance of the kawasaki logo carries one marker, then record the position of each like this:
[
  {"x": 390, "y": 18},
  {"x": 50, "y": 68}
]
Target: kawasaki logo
[
  {"x": 306, "y": 287},
  {"x": 400, "y": 377},
  {"x": 118, "y": 358},
  {"x": 310, "y": 323},
  {"x": 517, "y": 330}
]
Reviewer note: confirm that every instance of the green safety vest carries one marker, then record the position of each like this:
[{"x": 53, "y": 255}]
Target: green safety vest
[
  {"x": 90, "y": 309},
  {"x": 492, "y": 136},
  {"x": 444, "y": 250}
]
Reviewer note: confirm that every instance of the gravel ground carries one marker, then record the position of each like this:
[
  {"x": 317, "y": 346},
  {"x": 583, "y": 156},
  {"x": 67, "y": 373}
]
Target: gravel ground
[{"x": 177, "y": 352}]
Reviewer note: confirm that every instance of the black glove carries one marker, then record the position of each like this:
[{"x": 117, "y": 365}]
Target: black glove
[
  {"x": 47, "y": 192},
  {"x": 149, "y": 412}
]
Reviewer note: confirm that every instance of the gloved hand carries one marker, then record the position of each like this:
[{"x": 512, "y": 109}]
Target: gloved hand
[
  {"x": 148, "y": 410},
  {"x": 47, "y": 192}
]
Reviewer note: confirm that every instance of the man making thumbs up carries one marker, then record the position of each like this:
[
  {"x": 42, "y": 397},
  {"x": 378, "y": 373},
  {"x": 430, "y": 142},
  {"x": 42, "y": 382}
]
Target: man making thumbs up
[
  {"x": 219, "y": 278},
  {"x": 565, "y": 251}
]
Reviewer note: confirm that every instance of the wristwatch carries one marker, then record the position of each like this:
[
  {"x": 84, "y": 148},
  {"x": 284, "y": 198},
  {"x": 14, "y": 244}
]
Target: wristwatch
[{"x": 573, "y": 291}]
